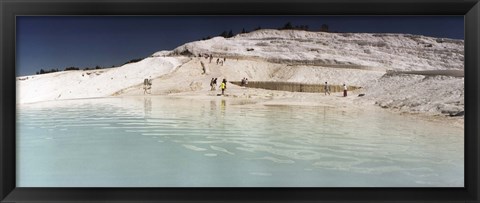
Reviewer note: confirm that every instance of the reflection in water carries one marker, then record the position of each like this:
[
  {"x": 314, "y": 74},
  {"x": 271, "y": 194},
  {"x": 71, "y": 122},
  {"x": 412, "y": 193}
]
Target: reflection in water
[
  {"x": 213, "y": 106},
  {"x": 223, "y": 106},
  {"x": 156, "y": 141},
  {"x": 147, "y": 105}
]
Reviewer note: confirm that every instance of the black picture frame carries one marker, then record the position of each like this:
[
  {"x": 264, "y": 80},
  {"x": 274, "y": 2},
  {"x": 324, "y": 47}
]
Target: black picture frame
[{"x": 11, "y": 8}]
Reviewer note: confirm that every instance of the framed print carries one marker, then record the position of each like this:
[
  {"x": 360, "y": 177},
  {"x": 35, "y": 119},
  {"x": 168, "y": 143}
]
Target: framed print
[{"x": 239, "y": 101}]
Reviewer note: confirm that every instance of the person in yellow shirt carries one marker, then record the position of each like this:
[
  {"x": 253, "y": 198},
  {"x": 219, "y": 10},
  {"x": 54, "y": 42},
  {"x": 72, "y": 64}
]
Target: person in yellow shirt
[{"x": 223, "y": 86}]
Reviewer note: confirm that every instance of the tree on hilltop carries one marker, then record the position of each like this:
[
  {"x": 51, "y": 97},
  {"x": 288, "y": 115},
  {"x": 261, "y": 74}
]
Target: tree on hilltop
[
  {"x": 224, "y": 34},
  {"x": 287, "y": 26},
  {"x": 71, "y": 68},
  {"x": 230, "y": 34},
  {"x": 207, "y": 38},
  {"x": 324, "y": 28},
  {"x": 47, "y": 71}
]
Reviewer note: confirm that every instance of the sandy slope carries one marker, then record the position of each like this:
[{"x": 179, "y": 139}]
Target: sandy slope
[{"x": 92, "y": 83}]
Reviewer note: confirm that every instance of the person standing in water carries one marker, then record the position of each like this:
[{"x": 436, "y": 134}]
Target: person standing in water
[
  {"x": 344, "y": 90},
  {"x": 211, "y": 84},
  {"x": 147, "y": 85},
  {"x": 223, "y": 86}
]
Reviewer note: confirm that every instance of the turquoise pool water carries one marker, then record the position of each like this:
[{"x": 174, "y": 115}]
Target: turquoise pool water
[{"x": 182, "y": 142}]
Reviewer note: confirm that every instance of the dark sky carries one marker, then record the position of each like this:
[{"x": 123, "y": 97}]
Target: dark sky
[{"x": 59, "y": 42}]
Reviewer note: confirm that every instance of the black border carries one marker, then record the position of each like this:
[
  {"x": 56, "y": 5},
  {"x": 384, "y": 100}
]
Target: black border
[{"x": 10, "y": 8}]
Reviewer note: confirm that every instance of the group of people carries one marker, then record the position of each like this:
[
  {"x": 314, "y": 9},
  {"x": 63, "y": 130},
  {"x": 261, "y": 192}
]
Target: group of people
[
  {"x": 223, "y": 85},
  {"x": 326, "y": 89},
  {"x": 147, "y": 85},
  {"x": 220, "y": 61},
  {"x": 213, "y": 84},
  {"x": 244, "y": 82},
  {"x": 210, "y": 58}
]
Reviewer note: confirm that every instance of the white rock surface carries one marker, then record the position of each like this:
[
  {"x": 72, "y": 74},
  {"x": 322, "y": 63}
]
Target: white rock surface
[{"x": 360, "y": 59}]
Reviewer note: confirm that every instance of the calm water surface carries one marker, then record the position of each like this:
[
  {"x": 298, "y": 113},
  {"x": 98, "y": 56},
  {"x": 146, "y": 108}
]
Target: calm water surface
[{"x": 178, "y": 142}]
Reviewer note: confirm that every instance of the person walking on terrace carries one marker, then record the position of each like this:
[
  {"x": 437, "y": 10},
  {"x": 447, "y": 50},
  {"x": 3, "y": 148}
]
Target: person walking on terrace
[{"x": 326, "y": 89}]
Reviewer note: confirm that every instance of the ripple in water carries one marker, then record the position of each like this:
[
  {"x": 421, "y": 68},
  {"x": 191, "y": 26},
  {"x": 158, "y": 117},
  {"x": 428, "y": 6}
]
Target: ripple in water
[{"x": 160, "y": 141}]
